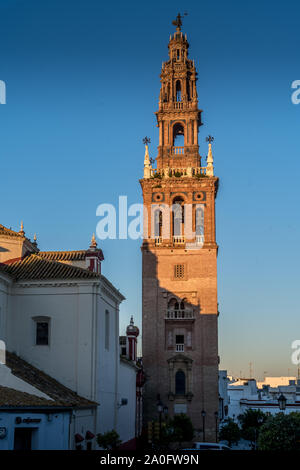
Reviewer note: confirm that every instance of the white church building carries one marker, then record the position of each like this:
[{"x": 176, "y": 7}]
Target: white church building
[{"x": 60, "y": 314}]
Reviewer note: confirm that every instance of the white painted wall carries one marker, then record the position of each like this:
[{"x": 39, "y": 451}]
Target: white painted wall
[
  {"x": 48, "y": 434},
  {"x": 127, "y": 413},
  {"x": 76, "y": 356}
]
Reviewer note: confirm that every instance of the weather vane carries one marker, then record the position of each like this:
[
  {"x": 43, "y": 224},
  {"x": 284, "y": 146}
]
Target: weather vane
[
  {"x": 178, "y": 22},
  {"x": 210, "y": 139},
  {"x": 146, "y": 140}
]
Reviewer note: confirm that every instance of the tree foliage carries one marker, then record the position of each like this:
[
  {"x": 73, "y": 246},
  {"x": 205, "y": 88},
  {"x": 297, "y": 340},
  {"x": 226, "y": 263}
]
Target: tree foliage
[
  {"x": 251, "y": 422},
  {"x": 280, "y": 432},
  {"x": 230, "y": 432},
  {"x": 180, "y": 429},
  {"x": 108, "y": 440}
]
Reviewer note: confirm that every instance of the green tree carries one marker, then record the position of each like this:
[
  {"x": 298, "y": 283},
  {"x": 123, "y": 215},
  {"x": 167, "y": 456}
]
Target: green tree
[
  {"x": 280, "y": 432},
  {"x": 179, "y": 429},
  {"x": 230, "y": 432},
  {"x": 108, "y": 440},
  {"x": 251, "y": 422}
]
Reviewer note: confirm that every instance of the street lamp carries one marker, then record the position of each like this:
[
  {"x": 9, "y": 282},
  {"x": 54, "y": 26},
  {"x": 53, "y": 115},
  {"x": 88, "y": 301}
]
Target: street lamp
[
  {"x": 216, "y": 416},
  {"x": 282, "y": 402},
  {"x": 203, "y": 413},
  {"x": 161, "y": 409}
]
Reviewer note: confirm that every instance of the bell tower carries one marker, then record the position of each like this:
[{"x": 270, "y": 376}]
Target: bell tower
[{"x": 179, "y": 252}]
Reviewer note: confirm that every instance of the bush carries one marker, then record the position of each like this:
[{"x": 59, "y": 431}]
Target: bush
[{"x": 108, "y": 440}]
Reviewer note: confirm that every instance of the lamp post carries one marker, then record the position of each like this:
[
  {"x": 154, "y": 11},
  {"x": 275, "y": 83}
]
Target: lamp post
[
  {"x": 216, "y": 416},
  {"x": 203, "y": 413},
  {"x": 282, "y": 402},
  {"x": 160, "y": 408}
]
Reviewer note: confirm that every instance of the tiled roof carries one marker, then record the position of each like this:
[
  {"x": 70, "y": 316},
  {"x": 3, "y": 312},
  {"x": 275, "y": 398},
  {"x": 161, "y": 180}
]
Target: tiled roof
[
  {"x": 61, "y": 395},
  {"x": 11, "y": 397},
  {"x": 34, "y": 267},
  {"x": 9, "y": 233},
  {"x": 78, "y": 255}
]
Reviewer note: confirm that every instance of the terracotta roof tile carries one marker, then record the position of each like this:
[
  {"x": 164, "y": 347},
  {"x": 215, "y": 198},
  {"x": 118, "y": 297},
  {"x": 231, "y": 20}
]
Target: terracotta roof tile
[
  {"x": 78, "y": 255},
  {"x": 34, "y": 267},
  {"x": 8, "y": 232}
]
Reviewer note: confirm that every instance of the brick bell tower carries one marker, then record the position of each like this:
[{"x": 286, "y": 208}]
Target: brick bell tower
[{"x": 179, "y": 251}]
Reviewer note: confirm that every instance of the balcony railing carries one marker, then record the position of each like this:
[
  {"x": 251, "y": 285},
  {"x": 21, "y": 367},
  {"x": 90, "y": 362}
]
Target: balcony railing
[
  {"x": 158, "y": 240},
  {"x": 177, "y": 150},
  {"x": 179, "y": 347},
  {"x": 179, "y": 315},
  {"x": 199, "y": 239},
  {"x": 183, "y": 172},
  {"x": 179, "y": 240}
]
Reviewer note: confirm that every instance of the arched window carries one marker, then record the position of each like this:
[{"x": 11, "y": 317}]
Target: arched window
[
  {"x": 178, "y": 135},
  {"x": 158, "y": 223},
  {"x": 178, "y": 217},
  {"x": 173, "y": 304},
  {"x": 178, "y": 90},
  {"x": 199, "y": 223},
  {"x": 180, "y": 383}
]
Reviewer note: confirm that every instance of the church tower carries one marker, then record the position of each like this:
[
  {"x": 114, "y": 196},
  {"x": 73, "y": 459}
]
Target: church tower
[{"x": 179, "y": 250}]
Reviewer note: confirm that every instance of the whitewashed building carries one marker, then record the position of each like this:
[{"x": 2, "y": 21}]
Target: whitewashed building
[
  {"x": 61, "y": 315},
  {"x": 245, "y": 394}
]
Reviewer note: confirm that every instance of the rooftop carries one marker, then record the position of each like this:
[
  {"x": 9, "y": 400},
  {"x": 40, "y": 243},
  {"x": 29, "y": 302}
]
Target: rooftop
[
  {"x": 61, "y": 395},
  {"x": 35, "y": 267}
]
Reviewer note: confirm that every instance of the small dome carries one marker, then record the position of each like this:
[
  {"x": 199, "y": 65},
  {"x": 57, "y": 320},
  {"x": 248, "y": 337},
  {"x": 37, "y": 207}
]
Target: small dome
[{"x": 132, "y": 329}]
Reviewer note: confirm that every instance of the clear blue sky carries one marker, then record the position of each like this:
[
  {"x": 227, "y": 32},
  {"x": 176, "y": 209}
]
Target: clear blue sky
[{"x": 82, "y": 86}]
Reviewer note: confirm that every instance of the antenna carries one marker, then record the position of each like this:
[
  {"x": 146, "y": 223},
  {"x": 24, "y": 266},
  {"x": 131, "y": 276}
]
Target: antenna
[{"x": 250, "y": 370}]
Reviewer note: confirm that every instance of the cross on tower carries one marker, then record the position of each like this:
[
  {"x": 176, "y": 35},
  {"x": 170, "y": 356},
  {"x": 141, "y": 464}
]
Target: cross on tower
[
  {"x": 146, "y": 140},
  {"x": 178, "y": 22},
  {"x": 210, "y": 139}
]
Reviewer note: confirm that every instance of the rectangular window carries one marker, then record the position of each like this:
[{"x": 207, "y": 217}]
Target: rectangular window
[
  {"x": 107, "y": 329},
  {"x": 179, "y": 343},
  {"x": 42, "y": 333},
  {"x": 179, "y": 271}
]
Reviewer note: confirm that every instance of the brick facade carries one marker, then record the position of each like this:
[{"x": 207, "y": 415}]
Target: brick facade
[{"x": 180, "y": 308}]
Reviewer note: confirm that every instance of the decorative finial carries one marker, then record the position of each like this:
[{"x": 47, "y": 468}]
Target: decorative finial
[
  {"x": 147, "y": 160},
  {"x": 35, "y": 240},
  {"x": 93, "y": 242},
  {"x": 131, "y": 320},
  {"x": 210, "y": 159},
  {"x": 178, "y": 22},
  {"x": 21, "y": 232}
]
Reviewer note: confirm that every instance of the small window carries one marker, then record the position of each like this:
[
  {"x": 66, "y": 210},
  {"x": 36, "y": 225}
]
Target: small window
[
  {"x": 107, "y": 329},
  {"x": 179, "y": 271},
  {"x": 42, "y": 333}
]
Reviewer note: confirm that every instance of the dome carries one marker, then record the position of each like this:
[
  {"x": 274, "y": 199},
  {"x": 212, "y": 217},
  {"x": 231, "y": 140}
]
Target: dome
[{"x": 132, "y": 329}]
